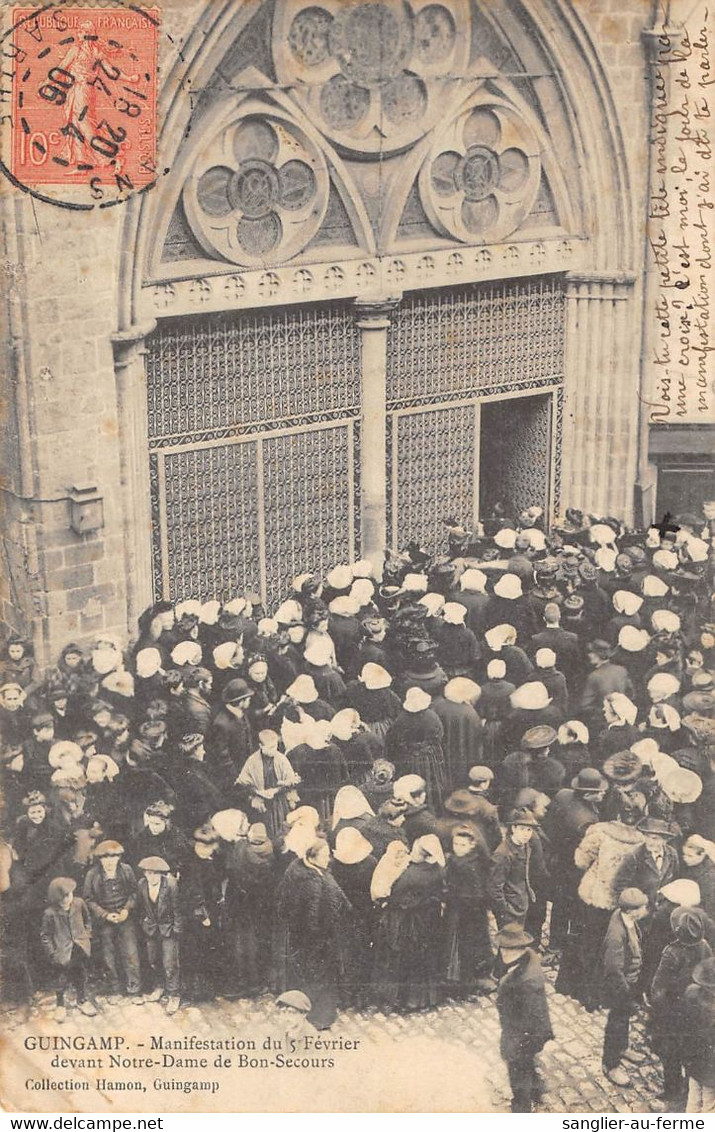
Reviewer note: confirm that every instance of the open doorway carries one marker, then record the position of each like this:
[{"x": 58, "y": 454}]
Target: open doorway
[{"x": 515, "y": 453}]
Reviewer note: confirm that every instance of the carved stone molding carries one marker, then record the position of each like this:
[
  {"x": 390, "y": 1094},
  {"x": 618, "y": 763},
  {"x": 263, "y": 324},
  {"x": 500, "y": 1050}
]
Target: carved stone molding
[{"x": 367, "y": 279}]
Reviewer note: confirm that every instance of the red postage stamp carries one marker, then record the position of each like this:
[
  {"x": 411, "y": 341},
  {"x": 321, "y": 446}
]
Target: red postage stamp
[{"x": 85, "y": 97}]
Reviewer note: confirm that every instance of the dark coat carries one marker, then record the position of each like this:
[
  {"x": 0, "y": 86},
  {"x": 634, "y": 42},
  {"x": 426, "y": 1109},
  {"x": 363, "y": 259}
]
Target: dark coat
[
  {"x": 704, "y": 876},
  {"x": 639, "y": 870},
  {"x": 198, "y": 711},
  {"x": 378, "y": 705},
  {"x": 310, "y": 911},
  {"x": 671, "y": 980},
  {"x": 160, "y": 917},
  {"x": 476, "y": 605},
  {"x": 321, "y": 773},
  {"x": 565, "y": 645},
  {"x": 523, "y": 1009},
  {"x": 620, "y": 964},
  {"x": 698, "y": 1050},
  {"x": 228, "y": 744},
  {"x": 566, "y": 821},
  {"x": 61, "y": 931},
  {"x": 520, "y": 770},
  {"x": 93, "y": 889},
  {"x": 600, "y": 683},
  {"x": 457, "y": 650},
  {"x": 517, "y": 871},
  {"x": 463, "y": 739},
  {"x": 198, "y": 797}
]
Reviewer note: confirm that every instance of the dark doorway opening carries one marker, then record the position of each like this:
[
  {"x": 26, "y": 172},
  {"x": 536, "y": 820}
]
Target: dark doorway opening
[{"x": 515, "y": 453}]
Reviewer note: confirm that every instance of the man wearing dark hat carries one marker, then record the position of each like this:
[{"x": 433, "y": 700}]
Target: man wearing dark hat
[
  {"x": 110, "y": 889},
  {"x": 473, "y": 805},
  {"x": 699, "y": 1047},
  {"x": 671, "y": 981},
  {"x": 517, "y": 870},
  {"x": 621, "y": 958},
  {"x": 530, "y": 766},
  {"x": 603, "y": 679},
  {"x": 159, "y": 837},
  {"x": 573, "y": 809},
  {"x": 37, "y": 770},
  {"x": 523, "y": 1014},
  {"x": 229, "y": 741},
  {"x": 651, "y": 865},
  {"x": 158, "y": 911},
  {"x": 197, "y": 795}
]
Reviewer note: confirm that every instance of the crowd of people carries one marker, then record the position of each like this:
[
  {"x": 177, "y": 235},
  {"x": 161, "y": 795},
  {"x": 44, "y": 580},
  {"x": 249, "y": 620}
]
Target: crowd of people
[{"x": 398, "y": 786}]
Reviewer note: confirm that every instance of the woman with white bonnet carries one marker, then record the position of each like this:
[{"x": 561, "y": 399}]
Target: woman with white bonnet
[
  {"x": 414, "y": 914},
  {"x": 353, "y": 866},
  {"x": 463, "y": 739},
  {"x": 502, "y": 644},
  {"x": 620, "y": 731},
  {"x": 311, "y": 909},
  {"x": 320, "y": 767},
  {"x": 414, "y": 744},
  {"x": 318, "y": 658},
  {"x": 374, "y": 698},
  {"x": 358, "y": 744},
  {"x": 457, "y": 651},
  {"x": 495, "y": 708},
  {"x": 351, "y": 810}
]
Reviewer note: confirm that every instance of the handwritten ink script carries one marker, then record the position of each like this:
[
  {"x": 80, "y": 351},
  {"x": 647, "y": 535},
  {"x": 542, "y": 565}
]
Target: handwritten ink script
[{"x": 681, "y": 217}]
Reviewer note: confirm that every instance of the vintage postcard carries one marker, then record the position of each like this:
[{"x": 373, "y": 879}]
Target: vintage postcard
[{"x": 357, "y": 645}]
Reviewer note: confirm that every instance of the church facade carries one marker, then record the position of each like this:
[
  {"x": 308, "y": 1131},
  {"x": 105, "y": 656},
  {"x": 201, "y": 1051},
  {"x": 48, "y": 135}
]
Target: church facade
[{"x": 393, "y": 271}]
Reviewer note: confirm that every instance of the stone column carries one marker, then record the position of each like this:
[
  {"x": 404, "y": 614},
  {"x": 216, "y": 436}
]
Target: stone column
[
  {"x": 373, "y": 319},
  {"x": 600, "y": 435},
  {"x": 130, "y": 372}
]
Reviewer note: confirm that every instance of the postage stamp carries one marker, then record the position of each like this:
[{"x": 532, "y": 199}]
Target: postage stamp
[{"x": 84, "y": 98}]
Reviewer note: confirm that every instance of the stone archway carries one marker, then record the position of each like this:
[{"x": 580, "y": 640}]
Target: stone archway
[{"x": 416, "y": 242}]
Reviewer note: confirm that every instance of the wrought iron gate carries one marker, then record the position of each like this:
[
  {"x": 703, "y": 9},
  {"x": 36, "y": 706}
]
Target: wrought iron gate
[
  {"x": 448, "y": 350},
  {"x": 244, "y": 408}
]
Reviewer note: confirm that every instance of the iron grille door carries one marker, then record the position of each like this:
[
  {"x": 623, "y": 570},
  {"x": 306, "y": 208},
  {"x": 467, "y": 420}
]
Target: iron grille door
[
  {"x": 449, "y": 351},
  {"x": 253, "y": 449}
]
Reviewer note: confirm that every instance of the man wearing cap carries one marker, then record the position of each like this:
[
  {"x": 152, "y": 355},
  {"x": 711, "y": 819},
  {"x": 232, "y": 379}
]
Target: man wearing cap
[
  {"x": 158, "y": 910},
  {"x": 515, "y": 864},
  {"x": 65, "y": 933},
  {"x": 523, "y": 1014},
  {"x": 652, "y": 864},
  {"x": 110, "y": 889},
  {"x": 621, "y": 958},
  {"x": 699, "y": 1046}
]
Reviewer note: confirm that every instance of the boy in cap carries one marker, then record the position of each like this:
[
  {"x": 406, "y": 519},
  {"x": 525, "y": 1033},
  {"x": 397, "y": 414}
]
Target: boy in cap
[
  {"x": 523, "y": 1014},
  {"x": 66, "y": 933},
  {"x": 621, "y": 960},
  {"x": 110, "y": 889},
  {"x": 516, "y": 864},
  {"x": 158, "y": 906}
]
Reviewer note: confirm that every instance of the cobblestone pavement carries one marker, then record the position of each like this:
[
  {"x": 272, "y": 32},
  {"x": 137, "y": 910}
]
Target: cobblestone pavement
[{"x": 570, "y": 1065}]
